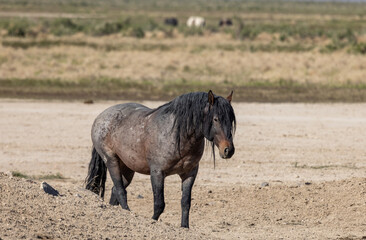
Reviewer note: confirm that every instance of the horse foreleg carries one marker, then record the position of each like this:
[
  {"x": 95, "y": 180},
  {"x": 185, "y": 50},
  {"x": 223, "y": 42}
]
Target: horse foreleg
[
  {"x": 119, "y": 190},
  {"x": 187, "y": 184},
  {"x": 157, "y": 182}
]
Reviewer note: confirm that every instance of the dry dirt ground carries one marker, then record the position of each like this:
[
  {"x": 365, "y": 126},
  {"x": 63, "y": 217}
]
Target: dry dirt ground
[{"x": 312, "y": 156}]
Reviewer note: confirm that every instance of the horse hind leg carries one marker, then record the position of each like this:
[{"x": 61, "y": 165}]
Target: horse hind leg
[
  {"x": 127, "y": 175},
  {"x": 115, "y": 171},
  {"x": 113, "y": 201}
]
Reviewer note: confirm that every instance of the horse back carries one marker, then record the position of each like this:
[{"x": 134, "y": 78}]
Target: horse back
[{"x": 114, "y": 117}]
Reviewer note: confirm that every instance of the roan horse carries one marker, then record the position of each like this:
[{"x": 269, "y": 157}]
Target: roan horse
[{"x": 170, "y": 139}]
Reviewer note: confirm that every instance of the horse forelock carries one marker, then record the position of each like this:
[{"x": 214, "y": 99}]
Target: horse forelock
[{"x": 226, "y": 115}]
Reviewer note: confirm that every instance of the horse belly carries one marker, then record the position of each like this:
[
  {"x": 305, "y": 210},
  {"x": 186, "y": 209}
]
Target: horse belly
[
  {"x": 135, "y": 162},
  {"x": 134, "y": 159},
  {"x": 131, "y": 151}
]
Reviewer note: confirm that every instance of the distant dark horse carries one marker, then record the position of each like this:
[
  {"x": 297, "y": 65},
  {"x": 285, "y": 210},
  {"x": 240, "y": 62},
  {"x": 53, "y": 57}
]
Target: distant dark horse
[
  {"x": 225, "y": 22},
  {"x": 171, "y": 21},
  {"x": 170, "y": 139}
]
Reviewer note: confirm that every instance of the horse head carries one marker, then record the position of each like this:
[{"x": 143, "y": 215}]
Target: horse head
[{"x": 219, "y": 124}]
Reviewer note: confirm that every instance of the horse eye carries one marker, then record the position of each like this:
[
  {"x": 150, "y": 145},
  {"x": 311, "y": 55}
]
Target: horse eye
[{"x": 216, "y": 119}]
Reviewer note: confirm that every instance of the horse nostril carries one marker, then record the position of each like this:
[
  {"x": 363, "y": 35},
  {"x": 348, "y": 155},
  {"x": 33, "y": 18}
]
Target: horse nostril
[{"x": 226, "y": 151}]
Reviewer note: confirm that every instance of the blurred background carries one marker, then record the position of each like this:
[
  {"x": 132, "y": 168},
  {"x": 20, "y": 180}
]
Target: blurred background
[{"x": 266, "y": 51}]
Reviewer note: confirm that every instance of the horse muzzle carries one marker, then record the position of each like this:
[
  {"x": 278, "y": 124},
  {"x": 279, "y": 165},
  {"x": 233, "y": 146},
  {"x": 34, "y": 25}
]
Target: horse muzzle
[{"x": 227, "y": 151}]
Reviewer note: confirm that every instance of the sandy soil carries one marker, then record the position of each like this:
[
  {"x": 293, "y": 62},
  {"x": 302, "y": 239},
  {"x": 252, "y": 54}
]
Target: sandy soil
[{"x": 311, "y": 155}]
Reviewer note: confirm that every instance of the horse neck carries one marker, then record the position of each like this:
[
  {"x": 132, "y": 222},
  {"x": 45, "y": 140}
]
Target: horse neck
[
  {"x": 191, "y": 139},
  {"x": 191, "y": 143}
]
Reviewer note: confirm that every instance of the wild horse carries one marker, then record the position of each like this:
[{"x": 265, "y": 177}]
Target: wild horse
[{"x": 170, "y": 139}]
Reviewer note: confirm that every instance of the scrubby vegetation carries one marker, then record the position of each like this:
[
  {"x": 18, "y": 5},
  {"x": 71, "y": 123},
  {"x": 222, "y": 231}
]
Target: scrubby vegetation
[
  {"x": 301, "y": 35},
  {"x": 57, "y": 176}
]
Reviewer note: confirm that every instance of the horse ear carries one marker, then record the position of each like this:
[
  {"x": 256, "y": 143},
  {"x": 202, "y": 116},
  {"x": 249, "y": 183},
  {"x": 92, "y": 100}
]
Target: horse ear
[
  {"x": 230, "y": 97},
  {"x": 211, "y": 97}
]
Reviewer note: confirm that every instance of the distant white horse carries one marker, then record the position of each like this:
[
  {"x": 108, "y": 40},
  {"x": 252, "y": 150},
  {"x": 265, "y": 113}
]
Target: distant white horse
[{"x": 196, "y": 22}]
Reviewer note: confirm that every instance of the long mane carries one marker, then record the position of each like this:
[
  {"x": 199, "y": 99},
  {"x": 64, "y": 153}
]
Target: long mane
[{"x": 189, "y": 109}]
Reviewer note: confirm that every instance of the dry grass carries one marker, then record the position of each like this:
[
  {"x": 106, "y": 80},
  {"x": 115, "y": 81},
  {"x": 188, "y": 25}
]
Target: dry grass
[
  {"x": 274, "y": 52},
  {"x": 188, "y": 59}
]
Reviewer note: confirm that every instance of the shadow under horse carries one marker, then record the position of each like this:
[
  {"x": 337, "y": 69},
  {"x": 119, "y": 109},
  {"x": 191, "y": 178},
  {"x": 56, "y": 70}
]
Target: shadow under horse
[{"x": 170, "y": 139}]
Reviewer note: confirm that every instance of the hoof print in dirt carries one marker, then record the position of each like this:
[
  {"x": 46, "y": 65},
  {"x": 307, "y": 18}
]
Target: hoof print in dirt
[{"x": 48, "y": 189}]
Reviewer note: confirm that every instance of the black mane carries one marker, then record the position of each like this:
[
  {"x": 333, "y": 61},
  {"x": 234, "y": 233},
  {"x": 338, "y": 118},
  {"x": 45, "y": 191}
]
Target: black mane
[{"x": 188, "y": 110}]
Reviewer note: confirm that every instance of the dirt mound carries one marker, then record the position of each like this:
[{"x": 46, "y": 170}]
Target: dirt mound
[
  {"x": 27, "y": 212},
  {"x": 334, "y": 210}
]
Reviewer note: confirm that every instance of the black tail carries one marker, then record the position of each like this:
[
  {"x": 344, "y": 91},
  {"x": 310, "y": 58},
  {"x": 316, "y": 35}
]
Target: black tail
[{"x": 97, "y": 174}]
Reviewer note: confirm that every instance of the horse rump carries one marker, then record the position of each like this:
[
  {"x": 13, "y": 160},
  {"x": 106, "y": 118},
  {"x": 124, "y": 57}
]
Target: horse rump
[{"x": 97, "y": 174}]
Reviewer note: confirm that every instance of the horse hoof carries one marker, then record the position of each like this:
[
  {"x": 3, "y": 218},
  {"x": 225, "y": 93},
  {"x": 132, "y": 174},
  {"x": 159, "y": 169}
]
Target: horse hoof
[{"x": 126, "y": 208}]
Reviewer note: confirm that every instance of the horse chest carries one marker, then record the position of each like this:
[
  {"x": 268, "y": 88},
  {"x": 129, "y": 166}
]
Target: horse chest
[
  {"x": 190, "y": 162},
  {"x": 185, "y": 163}
]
